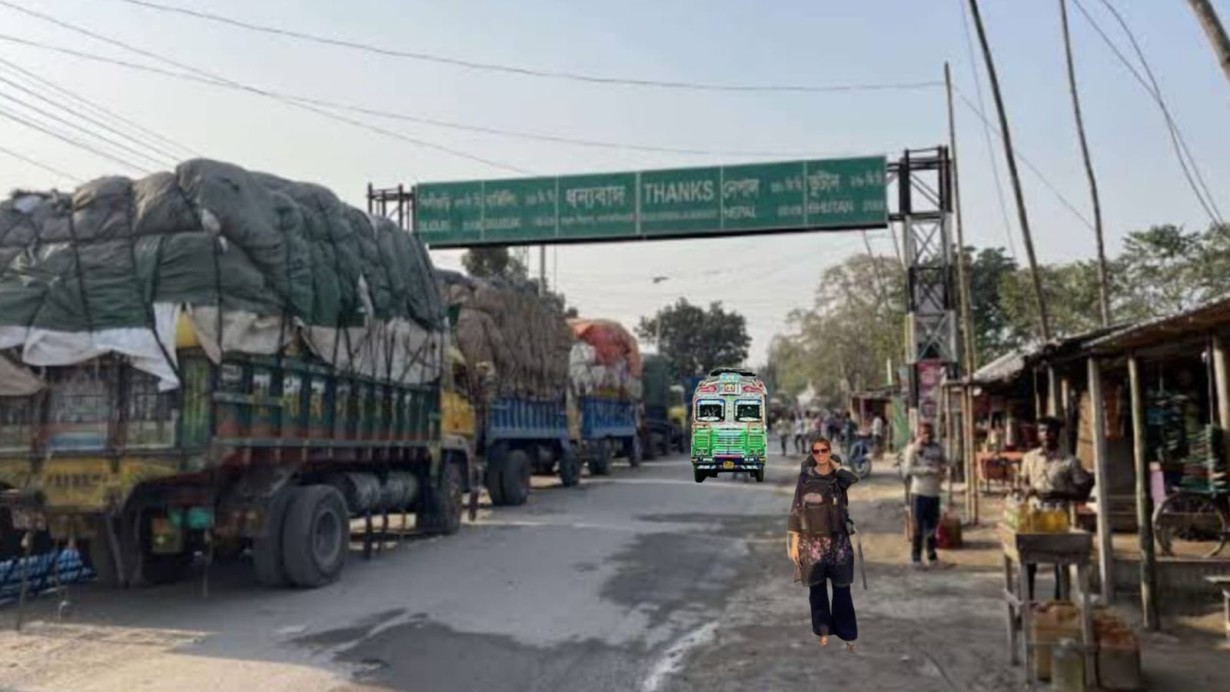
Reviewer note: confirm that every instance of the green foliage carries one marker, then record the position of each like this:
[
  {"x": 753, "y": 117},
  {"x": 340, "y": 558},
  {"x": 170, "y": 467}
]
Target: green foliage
[{"x": 696, "y": 340}]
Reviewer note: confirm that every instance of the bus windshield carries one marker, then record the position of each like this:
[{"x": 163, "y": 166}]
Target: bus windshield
[
  {"x": 710, "y": 411},
  {"x": 747, "y": 411}
]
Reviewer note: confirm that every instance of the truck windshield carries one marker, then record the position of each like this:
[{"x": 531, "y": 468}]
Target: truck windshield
[
  {"x": 710, "y": 411},
  {"x": 747, "y": 411}
]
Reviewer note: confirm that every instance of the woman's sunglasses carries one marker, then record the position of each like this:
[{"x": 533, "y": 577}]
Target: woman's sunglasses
[{"x": 819, "y": 450}]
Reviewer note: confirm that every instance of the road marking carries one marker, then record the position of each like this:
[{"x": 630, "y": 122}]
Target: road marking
[{"x": 672, "y": 660}]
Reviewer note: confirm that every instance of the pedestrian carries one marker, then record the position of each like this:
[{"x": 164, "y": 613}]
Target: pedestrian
[
  {"x": 817, "y": 425},
  {"x": 818, "y": 541},
  {"x": 831, "y": 425},
  {"x": 924, "y": 466},
  {"x": 877, "y": 434},
  {"x": 783, "y": 430},
  {"x": 799, "y": 433},
  {"x": 850, "y": 430},
  {"x": 1052, "y": 475}
]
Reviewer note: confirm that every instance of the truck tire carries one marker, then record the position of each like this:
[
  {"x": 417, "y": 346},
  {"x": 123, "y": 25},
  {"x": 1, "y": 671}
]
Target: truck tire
[
  {"x": 517, "y": 473},
  {"x": 569, "y": 468},
  {"x": 315, "y": 536},
  {"x": 600, "y": 458},
  {"x": 267, "y": 546},
  {"x": 635, "y": 452},
  {"x": 495, "y": 482},
  {"x": 699, "y": 476},
  {"x": 441, "y": 506},
  {"x": 759, "y": 475}
]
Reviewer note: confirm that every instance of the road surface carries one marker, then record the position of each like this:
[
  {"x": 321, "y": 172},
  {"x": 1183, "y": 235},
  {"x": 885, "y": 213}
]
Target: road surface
[{"x": 642, "y": 581}]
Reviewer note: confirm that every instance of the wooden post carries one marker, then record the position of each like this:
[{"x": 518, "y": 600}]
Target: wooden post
[
  {"x": 1223, "y": 385},
  {"x": 1101, "y": 469},
  {"x": 1144, "y": 509},
  {"x": 1052, "y": 392},
  {"x": 971, "y": 466}
]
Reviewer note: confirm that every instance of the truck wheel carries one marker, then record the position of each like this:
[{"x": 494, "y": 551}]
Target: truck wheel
[
  {"x": 759, "y": 475},
  {"x": 635, "y": 452},
  {"x": 699, "y": 476},
  {"x": 495, "y": 482},
  {"x": 441, "y": 508},
  {"x": 517, "y": 473},
  {"x": 315, "y": 536},
  {"x": 569, "y": 468},
  {"x": 267, "y": 546},
  {"x": 600, "y": 458}
]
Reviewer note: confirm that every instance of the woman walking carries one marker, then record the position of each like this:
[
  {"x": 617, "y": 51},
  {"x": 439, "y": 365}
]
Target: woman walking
[{"x": 819, "y": 543}]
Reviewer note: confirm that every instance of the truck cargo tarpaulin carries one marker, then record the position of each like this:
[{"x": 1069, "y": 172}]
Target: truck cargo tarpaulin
[
  {"x": 253, "y": 261},
  {"x": 522, "y": 335},
  {"x": 605, "y": 359}
]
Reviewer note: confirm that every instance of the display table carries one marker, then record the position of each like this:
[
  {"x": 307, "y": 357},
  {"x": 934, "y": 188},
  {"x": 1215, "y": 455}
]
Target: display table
[
  {"x": 998, "y": 466},
  {"x": 1063, "y": 549}
]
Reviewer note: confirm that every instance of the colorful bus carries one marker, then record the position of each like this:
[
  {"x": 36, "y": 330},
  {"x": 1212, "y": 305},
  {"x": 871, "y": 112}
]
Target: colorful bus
[{"x": 728, "y": 424}]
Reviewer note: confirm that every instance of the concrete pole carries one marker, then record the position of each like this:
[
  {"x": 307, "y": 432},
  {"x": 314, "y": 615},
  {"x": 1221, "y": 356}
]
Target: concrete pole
[
  {"x": 1223, "y": 384},
  {"x": 1101, "y": 469},
  {"x": 1144, "y": 502},
  {"x": 1215, "y": 31}
]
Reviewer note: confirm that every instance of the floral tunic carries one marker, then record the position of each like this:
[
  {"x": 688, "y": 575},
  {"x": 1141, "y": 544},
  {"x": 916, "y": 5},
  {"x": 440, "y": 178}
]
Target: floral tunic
[{"x": 822, "y": 555}]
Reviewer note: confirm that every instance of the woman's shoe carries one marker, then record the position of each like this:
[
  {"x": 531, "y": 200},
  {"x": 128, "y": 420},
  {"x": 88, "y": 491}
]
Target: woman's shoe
[{"x": 851, "y": 648}]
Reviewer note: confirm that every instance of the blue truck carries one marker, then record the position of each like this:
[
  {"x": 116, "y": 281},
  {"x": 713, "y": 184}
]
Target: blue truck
[
  {"x": 609, "y": 427},
  {"x": 521, "y": 437}
]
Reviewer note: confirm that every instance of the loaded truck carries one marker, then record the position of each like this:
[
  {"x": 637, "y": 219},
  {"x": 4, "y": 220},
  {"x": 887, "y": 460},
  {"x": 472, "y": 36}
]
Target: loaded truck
[
  {"x": 210, "y": 361},
  {"x": 512, "y": 361},
  {"x": 605, "y": 385},
  {"x": 662, "y": 425},
  {"x": 728, "y": 424}
]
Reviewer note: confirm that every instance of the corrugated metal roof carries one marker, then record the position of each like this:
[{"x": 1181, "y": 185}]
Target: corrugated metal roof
[
  {"x": 1013, "y": 363},
  {"x": 1203, "y": 318}
]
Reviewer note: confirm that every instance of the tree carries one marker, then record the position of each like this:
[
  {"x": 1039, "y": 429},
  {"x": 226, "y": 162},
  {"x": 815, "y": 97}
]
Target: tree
[
  {"x": 994, "y": 332},
  {"x": 493, "y": 261},
  {"x": 695, "y": 340}
]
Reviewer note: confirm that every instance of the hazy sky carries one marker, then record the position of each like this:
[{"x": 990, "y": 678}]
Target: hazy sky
[{"x": 819, "y": 42}]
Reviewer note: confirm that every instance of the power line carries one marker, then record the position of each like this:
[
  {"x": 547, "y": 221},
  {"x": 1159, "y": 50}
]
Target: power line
[
  {"x": 40, "y": 164},
  {"x": 65, "y": 138},
  {"x": 1176, "y": 136},
  {"x": 80, "y": 128},
  {"x": 466, "y": 127},
  {"x": 333, "y": 116},
  {"x": 526, "y": 71},
  {"x": 101, "y": 111},
  {"x": 986, "y": 132},
  {"x": 1028, "y": 164}
]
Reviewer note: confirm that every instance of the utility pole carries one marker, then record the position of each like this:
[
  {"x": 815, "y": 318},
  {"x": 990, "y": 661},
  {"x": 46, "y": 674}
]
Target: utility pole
[
  {"x": 967, "y": 328},
  {"x": 541, "y": 269},
  {"x": 1103, "y": 281},
  {"x": 1043, "y": 319},
  {"x": 1215, "y": 31}
]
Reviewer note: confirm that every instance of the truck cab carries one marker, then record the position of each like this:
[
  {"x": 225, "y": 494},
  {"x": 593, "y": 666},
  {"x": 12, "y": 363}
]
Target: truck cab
[{"x": 728, "y": 424}]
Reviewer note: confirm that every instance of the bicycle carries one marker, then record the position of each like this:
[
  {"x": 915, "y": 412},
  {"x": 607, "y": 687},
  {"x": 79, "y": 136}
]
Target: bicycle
[{"x": 1192, "y": 523}]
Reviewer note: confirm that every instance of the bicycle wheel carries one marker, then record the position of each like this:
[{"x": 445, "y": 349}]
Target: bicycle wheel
[{"x": 1190, "y": 525}]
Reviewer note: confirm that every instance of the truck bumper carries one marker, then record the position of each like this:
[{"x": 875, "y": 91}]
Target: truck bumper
[{"x": 728, "y": 464}]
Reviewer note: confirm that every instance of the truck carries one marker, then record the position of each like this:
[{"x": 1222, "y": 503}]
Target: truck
[
  {"x": 728, "y": 424},
  {"x": 214, "y": 361},
  {"x": 605, "y": 382},
  {"x": 511, "y": 361},
  {"x": 662, "y": 426}
]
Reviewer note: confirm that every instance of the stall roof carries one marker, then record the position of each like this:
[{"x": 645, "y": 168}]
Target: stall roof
[
  {"x": 1010, "y": 365},
  {"x": 1165, "y": 330}
]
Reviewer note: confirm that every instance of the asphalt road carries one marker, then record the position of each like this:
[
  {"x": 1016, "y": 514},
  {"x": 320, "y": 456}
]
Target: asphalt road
[{"x": 644, "y": 581}]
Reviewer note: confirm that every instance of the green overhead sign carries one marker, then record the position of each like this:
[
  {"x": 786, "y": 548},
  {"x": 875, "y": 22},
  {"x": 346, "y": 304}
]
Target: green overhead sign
[{"x": 681, "y": 202}]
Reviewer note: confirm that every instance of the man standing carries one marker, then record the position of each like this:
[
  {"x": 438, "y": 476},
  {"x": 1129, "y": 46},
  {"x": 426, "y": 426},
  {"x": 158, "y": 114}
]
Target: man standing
[
  {"x": 925, "y": 466},
  {"x": 783, "y": 428},
  {"x": 877, "y": 434},
  {"x": 1052, "y": 475}
]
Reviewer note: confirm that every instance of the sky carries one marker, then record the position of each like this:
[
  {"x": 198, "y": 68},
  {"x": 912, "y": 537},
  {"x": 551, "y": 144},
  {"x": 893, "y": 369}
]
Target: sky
[{"x": 812, "y": 42}]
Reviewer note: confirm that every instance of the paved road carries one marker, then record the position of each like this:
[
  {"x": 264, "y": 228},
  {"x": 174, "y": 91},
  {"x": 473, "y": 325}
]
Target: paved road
[{"x": 641, "y": 581}]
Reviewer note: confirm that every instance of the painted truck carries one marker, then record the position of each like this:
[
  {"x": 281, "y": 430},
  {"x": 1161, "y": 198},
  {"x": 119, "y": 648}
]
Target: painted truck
[
  {"x": 512, "y": 360},
  {"x": 605, "y": 382},
  {"x": 728, "y": 424},
  {"x": 211, "y": 361},
  {"x": 660, "y": 432}
]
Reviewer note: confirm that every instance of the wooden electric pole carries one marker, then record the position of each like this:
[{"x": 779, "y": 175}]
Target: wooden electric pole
[
  {"x": 1215, "y": 31},
  {"x": 1043, "y": 319},
  {"x": 1103, "y": 281},
  {"x": 970, "y": 359}
]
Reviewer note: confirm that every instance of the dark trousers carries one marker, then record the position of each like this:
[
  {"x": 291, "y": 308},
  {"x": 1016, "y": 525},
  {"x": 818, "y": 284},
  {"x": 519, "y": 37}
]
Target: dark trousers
[
  {"x": 1031, "y": 572},
  {"x": 785, "y": 438},
  {"x": 926, "y": 512},
  {"x": 840, "y": 619}
]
